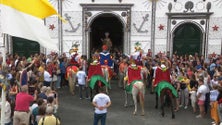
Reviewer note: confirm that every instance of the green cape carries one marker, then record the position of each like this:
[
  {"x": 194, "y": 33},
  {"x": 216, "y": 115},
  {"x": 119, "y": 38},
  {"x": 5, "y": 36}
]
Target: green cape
[
  {"x": 163, "y": 84},
  {"x": 96, "y": 78}
]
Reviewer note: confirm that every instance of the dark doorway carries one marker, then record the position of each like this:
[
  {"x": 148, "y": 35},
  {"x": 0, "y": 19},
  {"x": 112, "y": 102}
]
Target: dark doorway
[
  {"x": 187, "y": 39},
  {"x": 24, "y": 47},
  {"x": 106, "y": 23}
]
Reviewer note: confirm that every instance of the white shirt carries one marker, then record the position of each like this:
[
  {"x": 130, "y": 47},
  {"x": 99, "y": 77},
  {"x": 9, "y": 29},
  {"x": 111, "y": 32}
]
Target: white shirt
[
  {"x": 7, "y": 117},
  {"x": 203, "y": 90},
  {"x": 101, "y": 99},
  {"x": 213, "y": 95},
  {"x": 81, "y": 76},
  {"x": 47, "y": 76}
]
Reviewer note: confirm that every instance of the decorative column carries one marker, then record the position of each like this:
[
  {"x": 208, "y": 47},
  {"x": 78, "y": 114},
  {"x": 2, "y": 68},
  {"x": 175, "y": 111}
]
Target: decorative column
[
  {"x": 206, "y": 36},
  {"x": 169, "y": 47},
  {"x": 60, "y": 28},
  {"x": 153, "y": 26},
  {"x": 127, "y": 31}
]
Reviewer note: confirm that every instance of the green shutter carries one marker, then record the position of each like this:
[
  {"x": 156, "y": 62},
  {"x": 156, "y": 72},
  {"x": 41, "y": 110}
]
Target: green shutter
[{"x": 24, "y": 47}]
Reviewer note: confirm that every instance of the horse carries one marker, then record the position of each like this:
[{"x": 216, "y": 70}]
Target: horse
[
  {"x": 71, "y": 77},
  {"x": 107, "y": 74},
  {"x": 136, "y": 88},
  {"x": 167, "y": 96}
]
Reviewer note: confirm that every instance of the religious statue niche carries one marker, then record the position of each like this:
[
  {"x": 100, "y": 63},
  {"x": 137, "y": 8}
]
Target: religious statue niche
[{"x": 73, "y": 29}]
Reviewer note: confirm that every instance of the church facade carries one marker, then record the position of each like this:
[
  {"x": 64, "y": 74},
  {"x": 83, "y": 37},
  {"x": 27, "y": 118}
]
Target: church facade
[{"x": 174, "y": 26}]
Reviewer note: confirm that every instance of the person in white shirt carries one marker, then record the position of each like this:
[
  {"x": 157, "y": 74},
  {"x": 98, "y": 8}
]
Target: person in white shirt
[
  {"x": 7, "y": 119},
  {"x": 47, "y": 78},
  {"x": 81, "y": 77},
  {"x": 101, "y": 102},
  {"x": 201, "y": 93}
]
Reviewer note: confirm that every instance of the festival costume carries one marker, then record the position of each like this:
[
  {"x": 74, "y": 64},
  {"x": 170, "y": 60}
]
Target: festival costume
[
  {"x": 95, "y": 74},
  {"x": 75, "y": 60},
  {"x": 70, "y": 76},
  {"x": 162, "y": 80},
  {"x": 105, "y": 59},
  {"x": 134, "y": 75}
]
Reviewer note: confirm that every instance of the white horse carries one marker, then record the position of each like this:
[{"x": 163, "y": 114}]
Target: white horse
[
  {"x": 106, "y": 75},
  {"x": 137, "y": 90}
]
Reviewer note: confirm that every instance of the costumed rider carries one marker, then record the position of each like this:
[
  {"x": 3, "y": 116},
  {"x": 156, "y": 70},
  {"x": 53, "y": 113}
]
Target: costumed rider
[
  {"x": 162, "y": 79},
  {"x": 133, "y": 74},
  {"x": 105, "y": 57},
  {"x": 75, "y": 57},
  {"x": 95, "y": 74},
  {"x": 138, "y": 54}
]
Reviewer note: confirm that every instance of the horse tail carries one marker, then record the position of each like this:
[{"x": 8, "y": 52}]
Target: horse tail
[{"x": 141, "y": 89}]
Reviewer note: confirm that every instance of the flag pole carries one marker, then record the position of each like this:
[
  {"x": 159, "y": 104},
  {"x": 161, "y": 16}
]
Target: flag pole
[{"x": 3, "y": 96}]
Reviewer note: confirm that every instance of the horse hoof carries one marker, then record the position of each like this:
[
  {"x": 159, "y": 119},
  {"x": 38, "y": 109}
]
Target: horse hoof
[
  {"x": 134, "y": 113},
  {"x": 143, "y": 114},
  {"x": 156, "y": 107},
  {"x": 173, "y": 116}
]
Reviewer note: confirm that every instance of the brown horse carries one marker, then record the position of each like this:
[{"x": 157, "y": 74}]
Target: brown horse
[{"x": 167, "y": 95}]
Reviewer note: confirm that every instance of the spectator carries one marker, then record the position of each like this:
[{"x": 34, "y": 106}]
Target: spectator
[
  {"x": 49, "y": 118},
  {"x": 201, "y": 92},
  {"x": 81, "y": 77},
  {"x": 22, "y": 102},
  {"x": 101, "y": 102},
  {"x": 7, "y": 119}
]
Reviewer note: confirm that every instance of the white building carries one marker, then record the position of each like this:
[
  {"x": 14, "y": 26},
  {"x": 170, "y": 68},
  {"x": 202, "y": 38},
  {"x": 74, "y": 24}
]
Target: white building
[{"x": 182, "y": 26}]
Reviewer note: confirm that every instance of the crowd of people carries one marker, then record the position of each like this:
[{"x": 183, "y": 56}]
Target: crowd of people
[
  {"x": 31, "y": 92},
  {"x": 198, "y": 80},
  {"x": 37, "y": 79}
]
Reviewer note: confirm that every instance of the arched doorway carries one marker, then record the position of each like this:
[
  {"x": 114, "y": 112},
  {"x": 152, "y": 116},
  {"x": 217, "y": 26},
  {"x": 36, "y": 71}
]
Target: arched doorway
[
  {"x": 106, "y": 23},
  {"x": 187, "y": 39}
]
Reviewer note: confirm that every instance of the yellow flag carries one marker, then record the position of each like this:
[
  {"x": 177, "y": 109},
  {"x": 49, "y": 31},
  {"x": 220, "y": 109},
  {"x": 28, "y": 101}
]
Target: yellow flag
[
  {"x": 24, "y": 19},
  {"x": 37, "y": 8}
]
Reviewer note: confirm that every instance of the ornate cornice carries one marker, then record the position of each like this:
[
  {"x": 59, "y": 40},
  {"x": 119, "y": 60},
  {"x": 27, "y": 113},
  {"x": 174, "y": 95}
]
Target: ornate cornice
[
  {"x": 106, "y": 7},
  {"x": 204, "y": 15}
]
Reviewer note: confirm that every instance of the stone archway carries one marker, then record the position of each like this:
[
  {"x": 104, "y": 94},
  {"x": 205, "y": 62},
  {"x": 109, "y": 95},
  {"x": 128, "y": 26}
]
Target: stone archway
[
  {"x": 119, "y": 12},
  {"x": 106, "y": 23},
  {"x": 187, "y": 39}
]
